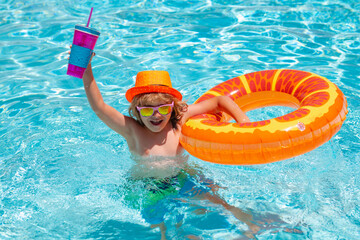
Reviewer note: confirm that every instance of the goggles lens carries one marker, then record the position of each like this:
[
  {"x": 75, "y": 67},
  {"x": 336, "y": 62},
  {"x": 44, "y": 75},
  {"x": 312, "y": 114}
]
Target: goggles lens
[
  {"x": 165, "y": 110},
  {"x": 147, "y": 112}
]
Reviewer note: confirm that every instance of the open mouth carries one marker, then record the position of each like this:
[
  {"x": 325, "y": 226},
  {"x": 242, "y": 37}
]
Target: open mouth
[{"x": 156, "y": 123}]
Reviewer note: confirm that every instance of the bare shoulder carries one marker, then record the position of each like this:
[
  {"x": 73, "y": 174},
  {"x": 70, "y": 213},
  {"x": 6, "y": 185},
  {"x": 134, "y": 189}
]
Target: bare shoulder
[
  {"x": 122, "y": 124},
  {"x": 128, "y": 127}
]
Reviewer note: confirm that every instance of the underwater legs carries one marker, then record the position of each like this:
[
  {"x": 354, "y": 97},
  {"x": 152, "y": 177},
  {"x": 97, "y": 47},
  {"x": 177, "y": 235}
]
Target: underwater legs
[{"x": 162, "y": 229}]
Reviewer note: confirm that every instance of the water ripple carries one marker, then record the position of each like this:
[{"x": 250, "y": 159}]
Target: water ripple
[{"x": 58, "y": 160}]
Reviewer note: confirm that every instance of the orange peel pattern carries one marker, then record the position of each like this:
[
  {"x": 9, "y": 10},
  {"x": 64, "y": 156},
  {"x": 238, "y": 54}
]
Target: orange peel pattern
[{"x": 321, "y": 109}]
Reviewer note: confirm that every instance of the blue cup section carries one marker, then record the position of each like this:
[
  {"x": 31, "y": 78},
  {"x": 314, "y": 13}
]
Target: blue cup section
[{"x": 80, "y": 56}]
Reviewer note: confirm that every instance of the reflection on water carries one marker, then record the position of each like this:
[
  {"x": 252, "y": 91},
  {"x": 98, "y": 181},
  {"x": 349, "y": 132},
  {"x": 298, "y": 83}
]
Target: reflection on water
[{"x": 61, "y": 168}]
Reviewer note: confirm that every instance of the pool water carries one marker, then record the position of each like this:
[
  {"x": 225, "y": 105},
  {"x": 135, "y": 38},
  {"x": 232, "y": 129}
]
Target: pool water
[{"x": 62, "y": 171}]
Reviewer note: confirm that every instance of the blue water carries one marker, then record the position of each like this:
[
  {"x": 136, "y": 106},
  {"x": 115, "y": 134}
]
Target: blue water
[{"x": 62, "y": 169}]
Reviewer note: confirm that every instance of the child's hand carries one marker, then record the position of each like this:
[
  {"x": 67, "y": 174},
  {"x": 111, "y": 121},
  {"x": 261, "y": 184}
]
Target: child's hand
[
  {"x": 92, "y": 55},
  {"x": 246, "y": 119},
  {"x": 69, "y": 51}
]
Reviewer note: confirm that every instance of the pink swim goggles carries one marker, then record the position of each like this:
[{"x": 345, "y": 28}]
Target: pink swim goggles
[{"x": 162, "y": 109}]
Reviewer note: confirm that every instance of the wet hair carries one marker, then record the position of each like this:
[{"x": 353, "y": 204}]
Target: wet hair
[{"x": 144, "y": 99}]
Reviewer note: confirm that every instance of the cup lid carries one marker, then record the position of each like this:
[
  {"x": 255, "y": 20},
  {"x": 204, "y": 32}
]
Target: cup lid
[{"x": 87, "y": 30}]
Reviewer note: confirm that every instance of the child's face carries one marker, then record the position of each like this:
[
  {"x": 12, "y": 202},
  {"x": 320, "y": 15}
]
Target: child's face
[{"x": 157, "y": 121}]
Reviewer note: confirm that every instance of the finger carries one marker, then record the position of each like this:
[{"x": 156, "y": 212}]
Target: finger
[{"x": 92, "y": 55}]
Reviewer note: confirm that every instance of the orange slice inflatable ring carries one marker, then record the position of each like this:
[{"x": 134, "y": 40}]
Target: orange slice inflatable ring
[{"x": 320, "y": 110}]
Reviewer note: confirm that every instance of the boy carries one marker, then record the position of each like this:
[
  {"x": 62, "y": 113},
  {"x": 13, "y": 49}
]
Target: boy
[{"x": 153, "y": 130}]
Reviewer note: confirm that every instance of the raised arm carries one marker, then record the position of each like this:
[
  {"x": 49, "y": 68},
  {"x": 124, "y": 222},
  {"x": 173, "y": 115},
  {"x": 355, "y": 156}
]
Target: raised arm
[
  {"x": 214, "y": 105},
  {"x": 111, "y": 117}
]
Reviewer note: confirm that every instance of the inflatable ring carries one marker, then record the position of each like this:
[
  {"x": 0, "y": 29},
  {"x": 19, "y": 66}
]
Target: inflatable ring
[{"x": 321, "y": 109}]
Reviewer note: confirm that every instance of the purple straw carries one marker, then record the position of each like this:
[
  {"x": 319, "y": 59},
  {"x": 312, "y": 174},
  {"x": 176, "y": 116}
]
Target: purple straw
[{"x": 89, "y": 18}]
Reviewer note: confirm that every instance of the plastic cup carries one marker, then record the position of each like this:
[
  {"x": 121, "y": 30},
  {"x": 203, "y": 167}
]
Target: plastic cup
[{"x": 82, "y": 48}]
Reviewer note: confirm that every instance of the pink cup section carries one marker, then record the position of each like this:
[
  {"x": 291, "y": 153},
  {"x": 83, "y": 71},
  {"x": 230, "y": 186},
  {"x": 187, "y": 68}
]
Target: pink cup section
[
  {"x": 85, "y": 39},
  {"x": 75, "y": 71}
]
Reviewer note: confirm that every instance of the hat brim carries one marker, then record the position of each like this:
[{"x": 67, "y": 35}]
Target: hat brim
[{"x": 132, "y": 92}]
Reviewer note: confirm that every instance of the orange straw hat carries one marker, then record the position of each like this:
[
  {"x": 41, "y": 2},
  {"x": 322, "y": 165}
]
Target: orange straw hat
[{"x": 152, "y": 82}]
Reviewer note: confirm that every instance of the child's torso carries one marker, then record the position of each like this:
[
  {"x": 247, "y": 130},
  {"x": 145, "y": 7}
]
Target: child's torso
[
  {"x": 157, "y": 155},
  {"x": 158, "y": 166},
  {"x": 165, "y": 143}
]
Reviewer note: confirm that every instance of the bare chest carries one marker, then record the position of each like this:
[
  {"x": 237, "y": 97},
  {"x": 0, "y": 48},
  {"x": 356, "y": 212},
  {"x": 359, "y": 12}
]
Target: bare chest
[{"x": 162, "y": 144}]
